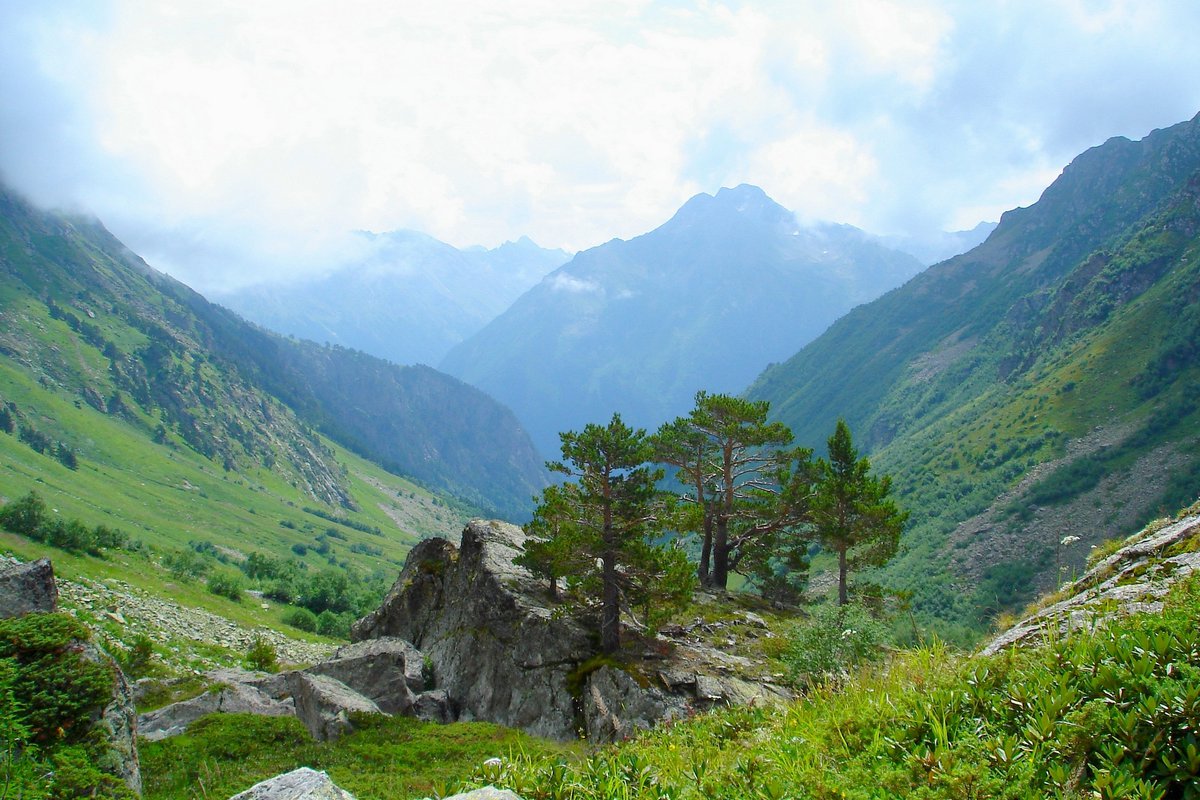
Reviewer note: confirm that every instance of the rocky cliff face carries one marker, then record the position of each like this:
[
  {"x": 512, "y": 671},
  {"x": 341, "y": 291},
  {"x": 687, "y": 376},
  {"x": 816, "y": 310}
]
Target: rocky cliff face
[{"x": 497, "y": 650}]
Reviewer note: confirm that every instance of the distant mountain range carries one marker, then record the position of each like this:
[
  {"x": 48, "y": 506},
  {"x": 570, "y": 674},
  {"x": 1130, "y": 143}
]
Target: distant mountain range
[
  {"x": 408, "y": 299},
  {"x": 1044, "y": 385},
  {"x": 730, "y": 283},
  {"x": 83, "y": 317}
]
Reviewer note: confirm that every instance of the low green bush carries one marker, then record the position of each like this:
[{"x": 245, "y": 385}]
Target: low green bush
[{"x": 302, "y": 619}]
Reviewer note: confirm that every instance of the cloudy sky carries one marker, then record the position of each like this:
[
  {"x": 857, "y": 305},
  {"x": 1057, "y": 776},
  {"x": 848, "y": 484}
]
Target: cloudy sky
[{"x": 228, "y": 140}]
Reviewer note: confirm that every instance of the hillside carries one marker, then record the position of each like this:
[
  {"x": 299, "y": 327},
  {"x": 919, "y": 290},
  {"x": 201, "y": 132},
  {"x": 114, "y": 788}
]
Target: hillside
[
  {"x": 407, "y": 298},
  {"x": 731, "y": 282},
  {"x": 1040, "y": 386},
  {"x": 87, "y": 319}
]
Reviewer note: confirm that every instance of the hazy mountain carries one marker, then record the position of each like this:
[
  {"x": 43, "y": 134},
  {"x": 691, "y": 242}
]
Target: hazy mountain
[
  {"x": 932, "y": 248},
  {"x": 1045, "y": 384},
  {"x": 408, "y": 299},
  {"x": 728, "y": 284},
  {"x": 85, "y": 316}
]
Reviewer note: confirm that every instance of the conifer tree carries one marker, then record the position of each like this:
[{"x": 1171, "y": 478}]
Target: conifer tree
[{"x": 852, "y": 514}]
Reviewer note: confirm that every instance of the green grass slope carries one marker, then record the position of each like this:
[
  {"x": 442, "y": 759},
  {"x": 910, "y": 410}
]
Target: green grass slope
[
  {"x": 1043, "y": 385},
  {"x": 85, "y": 316}
]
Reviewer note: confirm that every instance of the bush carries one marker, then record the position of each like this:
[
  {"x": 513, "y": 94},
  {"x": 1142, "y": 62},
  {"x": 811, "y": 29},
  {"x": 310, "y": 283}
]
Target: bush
[
  {"x": 334, "y": 625},
  {"x": 138, "y": 660},
  {"x": 302, "y": 619},
  {"x": 261, "y": 656},
  {"x": 25, "y": 516},
  {"x": 226, "y": 585},
  {"x": 834, "y": 641},
  {"x": 185, "y": 564}
]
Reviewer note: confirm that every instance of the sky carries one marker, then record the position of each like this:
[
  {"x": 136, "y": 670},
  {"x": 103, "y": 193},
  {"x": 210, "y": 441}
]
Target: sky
[{"x": 232, "y": 142}]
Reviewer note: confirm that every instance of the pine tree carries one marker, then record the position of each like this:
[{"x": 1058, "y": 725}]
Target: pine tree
[{"x": 851, "y": 512}]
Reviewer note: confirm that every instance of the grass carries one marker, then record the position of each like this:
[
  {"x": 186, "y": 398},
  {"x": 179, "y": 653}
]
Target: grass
[{"x": 384, "y": 757}]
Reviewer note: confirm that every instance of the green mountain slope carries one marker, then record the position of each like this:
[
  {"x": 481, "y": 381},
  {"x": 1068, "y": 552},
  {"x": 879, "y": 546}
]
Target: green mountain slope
[
  {"x": 134, "y": 343},
  {"x": 1040, "y": 386}
]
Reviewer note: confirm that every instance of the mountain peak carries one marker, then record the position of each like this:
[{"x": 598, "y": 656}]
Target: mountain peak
[{"x": 743, "y": 201}]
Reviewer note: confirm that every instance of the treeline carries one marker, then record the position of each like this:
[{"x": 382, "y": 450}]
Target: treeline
[
  {"x": 29, "y": 517},
  {"x": 752, "y": 503}
]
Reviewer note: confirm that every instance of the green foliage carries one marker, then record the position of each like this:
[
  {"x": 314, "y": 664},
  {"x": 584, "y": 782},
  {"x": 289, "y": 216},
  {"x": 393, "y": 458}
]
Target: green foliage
[
  {"x": 49, "y": 693},
  {"x": 226, "y": 584},
  {"x": 138, "y": 660},
  {"x": 185, "y": 565},
  {"x": 851, "y": 512},
  {"x": 335, "y": 625},
  {"x": 302, "y": 619},
  {"x": 262, "y": 656},
  {"x": 25, "y": 515},
  {"x": 836, "y": 641}
]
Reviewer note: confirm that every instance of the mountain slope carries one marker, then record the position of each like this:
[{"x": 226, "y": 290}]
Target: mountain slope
[
  {"x": 409, "y": 299},
  {"x": 1042, "y": 385},
  {"x": 730, "y": 283},
  {"x": 134, "y": 343}
]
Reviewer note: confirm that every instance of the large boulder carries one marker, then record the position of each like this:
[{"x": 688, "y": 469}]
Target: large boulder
[
  {"x": 388, "y": 671},
  {"x": 495, "y": 648},
  {"x": 325, "y": 704},
  {"x": 26, "y": 588},
  {"x": 299, "y": 784}
]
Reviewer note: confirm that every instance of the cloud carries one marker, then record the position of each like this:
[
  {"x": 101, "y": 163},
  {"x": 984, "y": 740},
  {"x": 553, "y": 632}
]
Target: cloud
[
  {"x": 230, "y": 141},
  {"x": 561, "y": 282}
]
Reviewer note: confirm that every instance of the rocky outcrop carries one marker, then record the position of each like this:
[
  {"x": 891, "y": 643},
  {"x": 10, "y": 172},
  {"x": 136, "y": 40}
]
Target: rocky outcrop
[
  {"x": 388, "y": 671},
  {"x": 27, "y": 588},
  {"x": 495, "y": 649},
  {"x": 117, "y": 723},
  {"x": 498, "y": 653},
  {"x": 1135, "y": 579},
  {"x": 299, "y": 784}
]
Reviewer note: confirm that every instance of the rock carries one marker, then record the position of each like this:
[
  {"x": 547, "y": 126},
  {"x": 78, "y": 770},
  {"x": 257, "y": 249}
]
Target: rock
[
  {"x": 117, "y": 724},
  {"x": 433, "y": 706},
  {"x": 486, "y": 793},
  {"x": 27, "y": 588},
  {"x": 228, "y": 698},
  {"x": 496, "y": 650},
  {"x": 389, "y": 671},
  {"x": 1132, "y": 580},
  {"x": 615, "y": 707},
  {"x": 324, "y": 704},
  {"x": 299, "y": 784}
]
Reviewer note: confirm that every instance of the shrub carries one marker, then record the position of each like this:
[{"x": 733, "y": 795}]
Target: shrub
[
  {"x": 25, "y": 516},
  {"x": 262, "y": 656},
  {"x": 300, "y": 549},
  {"x": 836, "y": 640},
  {"x": 301, "y": 618},
  {"x": 226, "y": 585},
  {"x": 334, "y": 625},
  {"x": 185, "y": 564}
]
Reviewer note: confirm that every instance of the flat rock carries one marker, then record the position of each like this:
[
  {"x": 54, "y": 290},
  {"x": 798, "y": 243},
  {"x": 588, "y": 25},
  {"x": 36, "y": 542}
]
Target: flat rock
[
  {"x": 388, "y": 671},
  {"x": 324, "y": 704},
  {"x": 229, "y": 698}
]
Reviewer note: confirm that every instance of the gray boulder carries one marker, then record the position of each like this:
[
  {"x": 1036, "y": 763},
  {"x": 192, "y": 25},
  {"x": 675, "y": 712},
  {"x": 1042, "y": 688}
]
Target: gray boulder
[
  {"x": 226, "y": 697},
  {"x": 486, "y": 793},
  {"x": 388, "y": 671},
  {"x": 433, "y": 706},
  {"x": 27, "y": 588},
  {"x": 324, "y": 704},
  {"x": 496, "y": 650},
  {"x": 615, "y": 706},
  {"x": 299, "y": 784},
  {"x": 117, "y": 723}
]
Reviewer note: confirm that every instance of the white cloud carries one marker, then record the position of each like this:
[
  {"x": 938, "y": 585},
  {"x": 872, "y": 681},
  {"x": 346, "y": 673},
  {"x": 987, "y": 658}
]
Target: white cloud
[
  {"x": 227, "y": 138},
  {"x": 561, "y": 282}
]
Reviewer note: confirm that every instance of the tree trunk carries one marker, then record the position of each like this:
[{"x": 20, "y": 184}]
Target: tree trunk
[
  {"x": 843, "y": 593},
  {"x": 610, "y": 604},
  {"x": 703, "y": 572},
  {"x": 720, "y": 570}
]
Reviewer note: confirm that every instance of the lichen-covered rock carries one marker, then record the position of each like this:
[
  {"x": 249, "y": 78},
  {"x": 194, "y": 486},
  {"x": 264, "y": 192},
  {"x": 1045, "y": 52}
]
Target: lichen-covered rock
[
  {"x": 117, "y": 723},
  {"x": 325, "y": 704},
  {"x": 486, "y": 793},
  {"x": 27, "y": 588},
  {"x": 496, "y": 650},
  {"x": 299, "y": 784}
]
